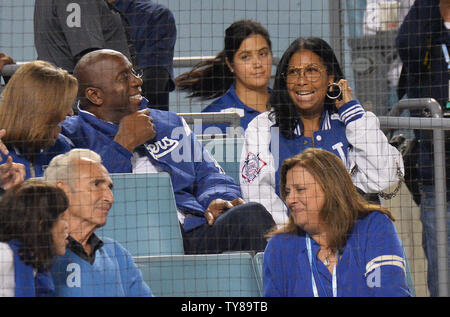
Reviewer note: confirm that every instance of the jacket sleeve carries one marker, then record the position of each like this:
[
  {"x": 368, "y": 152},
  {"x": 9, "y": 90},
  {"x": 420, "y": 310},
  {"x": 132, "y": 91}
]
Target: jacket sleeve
[
  {"x": 273, "y": 278},
  {"x": 211, "y": 182},
  {"x": 258, "y": 167},
  {"x": 373, "y": 162},
  {"x": 115, "y": 157},
  {"x": 133, "y": 283},
  {"x": 384, "y": 259}
]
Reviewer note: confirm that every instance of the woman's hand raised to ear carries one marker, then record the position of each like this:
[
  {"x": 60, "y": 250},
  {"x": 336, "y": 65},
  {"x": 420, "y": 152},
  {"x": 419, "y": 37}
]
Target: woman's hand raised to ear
[{"x": 346, "y": 93}]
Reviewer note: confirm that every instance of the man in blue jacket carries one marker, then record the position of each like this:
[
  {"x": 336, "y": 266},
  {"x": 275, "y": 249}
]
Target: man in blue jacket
[{"x": 115, "y": 122}]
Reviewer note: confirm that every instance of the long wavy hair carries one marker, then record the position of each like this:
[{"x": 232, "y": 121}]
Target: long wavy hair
[
  {"x": 284, "y": 112},
  {"x": 28, "y": 212},
  {"x": 210, "y": 79},
  {"x": 343, "y": 204}
]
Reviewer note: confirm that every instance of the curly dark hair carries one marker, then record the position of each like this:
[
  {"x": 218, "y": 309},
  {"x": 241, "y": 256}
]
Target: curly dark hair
[
  {"x": 28, "y": 212},
  {"x": 284, "y": 111}
]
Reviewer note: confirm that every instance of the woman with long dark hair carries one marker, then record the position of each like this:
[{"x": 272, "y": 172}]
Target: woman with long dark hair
[
  {"x": 312, "y": 105},
  {"x": 239, "y": 74},
  {"x": 32, "y": 232}
]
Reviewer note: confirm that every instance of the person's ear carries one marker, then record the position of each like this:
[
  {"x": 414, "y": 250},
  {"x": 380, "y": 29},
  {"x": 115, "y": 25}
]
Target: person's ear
[
  {"x": 230, "y": 67},
  {"x": 330, "y": 79},
  {"x": 64, "y": 187},
  {"x": 94, "y": 95}
]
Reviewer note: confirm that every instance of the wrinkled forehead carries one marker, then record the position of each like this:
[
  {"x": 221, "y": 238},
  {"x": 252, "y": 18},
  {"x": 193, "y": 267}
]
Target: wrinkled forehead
[{"x": 88, "y": 170}]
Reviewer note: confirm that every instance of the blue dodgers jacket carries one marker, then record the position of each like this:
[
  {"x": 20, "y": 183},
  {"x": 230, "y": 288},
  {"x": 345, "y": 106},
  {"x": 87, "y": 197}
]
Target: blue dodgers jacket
[
  {"x": 230, "y": 102},
  {"x": 371, "y": 264},
  {"x": 197, "y": 178},
  {"x": 353, "y": 134},
  {"x": 41, "y": 159}
]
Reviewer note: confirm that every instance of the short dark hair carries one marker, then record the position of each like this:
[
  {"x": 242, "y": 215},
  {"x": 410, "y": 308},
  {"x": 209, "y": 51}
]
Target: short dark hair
[
  {"x": 28, "y": 212},
  {"x": 284, "y": 110}
]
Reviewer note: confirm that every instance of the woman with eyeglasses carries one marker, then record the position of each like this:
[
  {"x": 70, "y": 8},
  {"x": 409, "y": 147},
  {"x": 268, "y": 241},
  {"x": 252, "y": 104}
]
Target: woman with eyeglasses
[
  {"x": 238, "y": 76},
  {"x": 312, "y": 105}
]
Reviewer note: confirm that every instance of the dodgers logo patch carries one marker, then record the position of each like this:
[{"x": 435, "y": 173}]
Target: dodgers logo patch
[
  {"x": 162, "y": 147},
  {"x": 253, "y": 165}
]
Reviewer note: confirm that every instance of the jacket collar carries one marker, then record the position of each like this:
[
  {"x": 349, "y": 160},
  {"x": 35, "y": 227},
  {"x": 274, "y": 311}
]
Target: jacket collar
[
  {"x": 103, "y": 126},
  {"x": 325, "y": 123}
]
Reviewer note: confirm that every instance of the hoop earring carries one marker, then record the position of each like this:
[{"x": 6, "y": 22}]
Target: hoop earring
[{"x": 334, "y": 95}]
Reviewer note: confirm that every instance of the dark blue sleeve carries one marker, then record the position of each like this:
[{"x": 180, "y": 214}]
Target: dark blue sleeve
[
  {"x": 115, "y": 157},
  {"x": 272, "y": 265},
  {"x": 384, "y": 258}
]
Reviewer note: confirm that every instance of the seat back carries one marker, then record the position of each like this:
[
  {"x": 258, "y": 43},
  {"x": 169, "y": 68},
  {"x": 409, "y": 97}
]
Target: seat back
[
  {"x": 227, "y": 152},
  {"x": 210, "y": 275},
  {"x": 258, "y": 262},
  {"x": 144, "y": 215}
]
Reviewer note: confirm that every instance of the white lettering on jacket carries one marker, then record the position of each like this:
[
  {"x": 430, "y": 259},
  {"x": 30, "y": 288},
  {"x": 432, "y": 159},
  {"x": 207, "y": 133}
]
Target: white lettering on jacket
[
  {"x": 73, "y": 20},
  {"x": 74, "y": 278},
  {"x": 162, "y": 147},
  {"x": 338, "y": 147}
]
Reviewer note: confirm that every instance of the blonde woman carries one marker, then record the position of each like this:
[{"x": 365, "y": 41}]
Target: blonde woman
[
  {"x": 335, "y": 243},
  {"x": 36, "y": 99}
]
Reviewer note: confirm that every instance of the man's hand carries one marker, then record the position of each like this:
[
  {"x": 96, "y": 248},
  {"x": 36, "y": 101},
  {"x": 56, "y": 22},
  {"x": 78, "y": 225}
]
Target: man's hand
[
  {"x": 135, "y": 129},
  {"x": 5, "y": 60},
  {"x": 217, "y": 206}
]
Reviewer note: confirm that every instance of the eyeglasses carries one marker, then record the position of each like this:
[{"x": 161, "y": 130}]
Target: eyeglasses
[
  {"x": 311, "y": 72},
  {"x": 126, "y": 76}
]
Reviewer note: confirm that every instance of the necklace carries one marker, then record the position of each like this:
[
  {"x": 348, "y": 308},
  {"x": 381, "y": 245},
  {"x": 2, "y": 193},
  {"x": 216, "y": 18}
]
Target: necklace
[{"x": 327, "y": 261}]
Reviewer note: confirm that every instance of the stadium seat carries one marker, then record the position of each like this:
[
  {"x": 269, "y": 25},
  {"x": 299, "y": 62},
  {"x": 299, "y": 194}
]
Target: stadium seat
[
  {"x": 144, "y": 215},
  {"x": 231, "y": 119},
  {"x": 257, "y": 263},
  {"x": 227, "y": 152},
  {"x": 209, "y": 275}
]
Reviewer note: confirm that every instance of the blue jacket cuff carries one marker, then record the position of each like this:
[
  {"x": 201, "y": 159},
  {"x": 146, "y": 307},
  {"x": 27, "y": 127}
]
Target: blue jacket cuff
[{"x": 351, "y": 111}]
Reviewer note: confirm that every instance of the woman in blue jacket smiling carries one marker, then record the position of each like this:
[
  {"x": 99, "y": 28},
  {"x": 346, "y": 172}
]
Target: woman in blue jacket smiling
[{"x": 335, "y": 243}]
